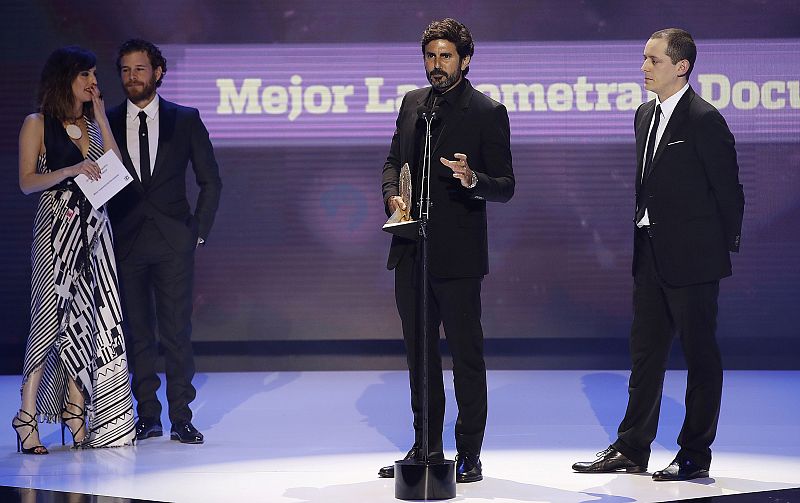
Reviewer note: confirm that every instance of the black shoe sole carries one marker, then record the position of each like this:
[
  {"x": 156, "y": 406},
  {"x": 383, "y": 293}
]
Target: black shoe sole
[
  {"x": 629, "y": 469},
  {"x": 703, "y": 474},
  {"x": 150, "y": 434},
  {"x": 383, "y": 475},
  {"x": 176, "y": 437},
  {"x": 467, "y": 480}
]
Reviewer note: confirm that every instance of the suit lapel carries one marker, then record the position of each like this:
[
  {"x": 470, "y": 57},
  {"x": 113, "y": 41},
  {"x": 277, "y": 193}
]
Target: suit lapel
[
  {"x": 679, "y": 115},
  {"x": 410, "y": 127},
  {"x": 166, "y": 128},
  {"x": 117, "y": 121}
]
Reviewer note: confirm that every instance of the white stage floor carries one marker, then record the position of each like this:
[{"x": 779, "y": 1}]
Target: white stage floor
[{"x": 321, "y": 437}]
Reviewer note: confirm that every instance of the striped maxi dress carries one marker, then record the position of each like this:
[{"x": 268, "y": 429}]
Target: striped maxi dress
[{"x": 76, "y": 317}]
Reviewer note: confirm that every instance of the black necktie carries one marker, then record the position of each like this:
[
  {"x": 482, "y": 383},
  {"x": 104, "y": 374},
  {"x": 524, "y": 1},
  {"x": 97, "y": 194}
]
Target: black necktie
[
  {"x": 651, "y": 144},
  {"x": 144, "y": 149},
  {"x": 648, "y": 159}
]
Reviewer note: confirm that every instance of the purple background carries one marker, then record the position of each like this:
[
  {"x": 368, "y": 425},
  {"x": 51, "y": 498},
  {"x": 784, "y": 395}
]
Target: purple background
[
  {"x": 197, "y": 69},
  {"x": 296, "y": 253}
]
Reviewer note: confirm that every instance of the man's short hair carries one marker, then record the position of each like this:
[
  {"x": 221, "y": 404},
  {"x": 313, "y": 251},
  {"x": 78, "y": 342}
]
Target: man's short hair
[
  {"x": 680, "y": 45},
  {"x": 149, "y": 48},
  {"x": 453, "y": 31}
]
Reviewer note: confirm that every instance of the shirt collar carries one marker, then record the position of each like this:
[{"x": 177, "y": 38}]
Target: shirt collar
[
  {"x": 669, "y": 104},
  {"x": 151, "y": 109},
  {"x": 452, "y": 95}
]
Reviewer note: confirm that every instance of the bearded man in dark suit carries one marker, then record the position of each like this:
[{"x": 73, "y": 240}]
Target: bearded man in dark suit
[
  {"x": 689, "y": 210},
  {"x": 156, "y": 234},
  {"x": 471, "y": 164}
]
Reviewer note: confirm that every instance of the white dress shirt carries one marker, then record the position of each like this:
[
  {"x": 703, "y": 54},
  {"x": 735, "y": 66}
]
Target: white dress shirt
[
  {"x": 666, "y": 112},
  {"x": 132, "y": 132}
]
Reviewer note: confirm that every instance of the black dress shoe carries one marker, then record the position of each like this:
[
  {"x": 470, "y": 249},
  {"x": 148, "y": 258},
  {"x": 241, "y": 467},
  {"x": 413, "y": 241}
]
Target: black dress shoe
[
  {"x": 681, "y": 469},
  {"x": 468, "y": 468},
  {"x": 147, "y": 427},
  {"x": 387, "y": 472},
  {"x": 185, "y": 433},
  {"x": 609, "y": 460}
]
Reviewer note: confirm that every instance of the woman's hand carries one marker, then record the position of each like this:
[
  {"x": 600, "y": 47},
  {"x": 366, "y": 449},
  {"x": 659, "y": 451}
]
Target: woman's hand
[
  {"x": 98, "y": 104},
  {"x": 86, "y": 167}
]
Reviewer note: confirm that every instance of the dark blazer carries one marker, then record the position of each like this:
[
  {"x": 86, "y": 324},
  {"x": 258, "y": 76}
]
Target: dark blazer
[
  {"x": 478, "y": 127},
  {"x": 182, "y": 138},
  {"x": 694, "y": 200}
]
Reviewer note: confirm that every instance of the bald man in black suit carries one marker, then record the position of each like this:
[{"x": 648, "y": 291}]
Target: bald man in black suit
[{"x": 689, "y": 210}]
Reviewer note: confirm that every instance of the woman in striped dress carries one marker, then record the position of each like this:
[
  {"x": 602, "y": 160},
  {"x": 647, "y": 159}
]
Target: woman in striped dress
[{"x": 75, "y": 369}]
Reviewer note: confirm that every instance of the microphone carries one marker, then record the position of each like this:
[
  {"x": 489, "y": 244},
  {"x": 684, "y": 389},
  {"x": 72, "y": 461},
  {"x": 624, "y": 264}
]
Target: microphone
[{"x": 424, "y": 112}]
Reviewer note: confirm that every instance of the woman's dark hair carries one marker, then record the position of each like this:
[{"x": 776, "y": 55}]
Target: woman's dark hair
[
  {"x": 453, "y": 31},
  {"x": 55, "y": 85},
  {"x": 149, "y": 48}
]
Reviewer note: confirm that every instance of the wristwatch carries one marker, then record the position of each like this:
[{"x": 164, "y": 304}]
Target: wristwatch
[{"x": 474, "y": 180}]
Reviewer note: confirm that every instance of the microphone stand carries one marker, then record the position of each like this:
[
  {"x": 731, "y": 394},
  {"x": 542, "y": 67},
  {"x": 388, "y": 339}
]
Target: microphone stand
[{"x": 425, "y": 479}]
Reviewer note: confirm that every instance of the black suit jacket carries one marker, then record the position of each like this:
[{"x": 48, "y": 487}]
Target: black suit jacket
[
  {"x": 183, "y": 138},
  {"x": 478, "y": 127},
  {"x": 694, "y": 200}
]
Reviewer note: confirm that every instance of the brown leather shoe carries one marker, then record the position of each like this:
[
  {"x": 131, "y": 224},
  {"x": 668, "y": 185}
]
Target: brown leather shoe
[{"x": 609, "y": 460}]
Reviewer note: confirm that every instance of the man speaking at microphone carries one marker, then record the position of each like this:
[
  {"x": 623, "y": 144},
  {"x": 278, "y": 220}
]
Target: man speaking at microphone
[{"x": 470, "y": 164}]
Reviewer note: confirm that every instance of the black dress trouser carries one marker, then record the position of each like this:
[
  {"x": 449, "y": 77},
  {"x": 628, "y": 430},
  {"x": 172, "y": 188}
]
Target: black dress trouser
[
  {"x": 659, "y": 312},
  {"x": 156, "y": 286},
  {"x": 454, "y": 303}
]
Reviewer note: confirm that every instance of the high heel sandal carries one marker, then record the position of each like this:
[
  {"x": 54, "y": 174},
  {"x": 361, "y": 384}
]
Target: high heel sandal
[
  {"x": 18, "y": 423},
  {"x": 67, "y": 416}
]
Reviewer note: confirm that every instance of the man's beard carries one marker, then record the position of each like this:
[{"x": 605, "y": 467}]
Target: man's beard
[
  {"x": 148, "y": 89},
  {"x": 447, "y": 83}
]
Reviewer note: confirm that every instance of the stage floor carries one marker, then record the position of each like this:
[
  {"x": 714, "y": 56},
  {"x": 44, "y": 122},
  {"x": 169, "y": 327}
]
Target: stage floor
[{"x": 321, "y": 437}]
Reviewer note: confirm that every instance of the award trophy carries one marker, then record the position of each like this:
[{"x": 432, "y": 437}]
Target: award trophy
[{"x": 400, "y": 223}]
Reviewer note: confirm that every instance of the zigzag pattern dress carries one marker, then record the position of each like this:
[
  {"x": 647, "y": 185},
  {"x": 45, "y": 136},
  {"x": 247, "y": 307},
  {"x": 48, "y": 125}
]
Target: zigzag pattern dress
[{"x": 76, "y": 317}]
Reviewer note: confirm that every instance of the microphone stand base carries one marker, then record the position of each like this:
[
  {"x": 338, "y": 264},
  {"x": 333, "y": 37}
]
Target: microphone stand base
[{"x": 425, "y": 481}]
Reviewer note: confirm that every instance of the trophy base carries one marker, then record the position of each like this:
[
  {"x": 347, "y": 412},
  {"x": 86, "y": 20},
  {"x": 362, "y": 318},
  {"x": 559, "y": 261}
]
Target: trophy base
[
  {"x": 407, "y": 230},
  {"x": 421, "y": 481}
]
